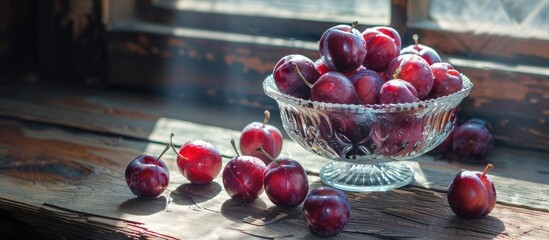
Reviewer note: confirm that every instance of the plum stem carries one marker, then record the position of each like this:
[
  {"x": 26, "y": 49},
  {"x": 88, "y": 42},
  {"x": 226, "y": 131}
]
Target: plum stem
[
  {"x": 234, "y": 147},
  {"x": 262, "y": 151},
  {"x": 416, "y": 39},
  {"x": 301, "y": 75},
  {"x": 173, "y": 148},
  {"x": 267, "y": 115},
  {"x": 165, "y": 149},
  {"x": 397, "y": 72},
  {"x": 353, "y": 25},
  {"x": 488, "y": 167}
]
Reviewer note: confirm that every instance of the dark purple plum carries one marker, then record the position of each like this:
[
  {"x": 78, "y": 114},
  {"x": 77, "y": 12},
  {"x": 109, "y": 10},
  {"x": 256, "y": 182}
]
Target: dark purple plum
[
  {"x": 286, "y": 183},
  {"x": 381, "y": 49},
  {"x": 294, "y": 74},
  {"x": 334, "y": 87},
  {"x": 367, "y": 84},
  {"x": 413, "y": 69},
  {"x": 326, "y": 211},
  {"x": 425, "y": 52},
  {"x": 471, "y": 194},
  {"x": 199, "y": 161},
  {"x": 343, "y": 48},
  {"x": 472, "y": 142},
  {"x": 147, "y": 176},
  {"x": 243, "y": 177},
  {"x": 397, "y": 91},
  {"x": 257, "y": 134},
  {"x": 391, "y": 32},
  {"x": 447, "y": 80}
]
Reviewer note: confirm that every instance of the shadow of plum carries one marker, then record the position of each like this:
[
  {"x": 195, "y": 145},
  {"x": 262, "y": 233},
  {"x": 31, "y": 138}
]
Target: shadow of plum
[
  {"x": 488, "y": 227},
  {"x": 144, "y": 206},
  {"x": 237, "y": 211},
  {"x": 190, "y": 194}
]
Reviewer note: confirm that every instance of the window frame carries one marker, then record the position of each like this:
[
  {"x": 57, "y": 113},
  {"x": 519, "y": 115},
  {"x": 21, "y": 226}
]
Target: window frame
[
  {"x": 406, "y": 16},
  {"x": 506, "y": 49},
  {"x": 307, "y": 30}
]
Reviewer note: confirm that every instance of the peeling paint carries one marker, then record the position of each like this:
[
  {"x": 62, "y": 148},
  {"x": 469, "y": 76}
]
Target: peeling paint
[
  {"x": 250, "y": 63},
  {"x": 177, "y": 42},
  {"x": 143, "y": 40},
  {"x": 192, "y": 54},
  {"x": 210, "y": 56},
  {"x": 135, "y": 48},
  {"x": 166, "y": 54},
  {"x": 478, "y": 102},
  {"x": 504, "y": 122},
  {"x": 243, "y": 51}
]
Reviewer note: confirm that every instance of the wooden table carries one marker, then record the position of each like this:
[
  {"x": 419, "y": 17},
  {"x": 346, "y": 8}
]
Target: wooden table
[{"x": 63, "y": 152}]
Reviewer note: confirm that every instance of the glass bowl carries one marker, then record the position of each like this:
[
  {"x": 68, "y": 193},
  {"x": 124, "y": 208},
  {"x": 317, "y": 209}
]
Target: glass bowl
[{"x": 366, "y": 142}]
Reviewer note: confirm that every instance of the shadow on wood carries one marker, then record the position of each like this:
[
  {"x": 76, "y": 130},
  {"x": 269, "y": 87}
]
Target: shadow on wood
[
  {"x": 191, "y": 194},
  {"x": 142, "y": 206}
]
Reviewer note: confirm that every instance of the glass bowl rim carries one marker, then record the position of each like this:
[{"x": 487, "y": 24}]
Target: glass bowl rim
[{"x": 270, "y": 88}]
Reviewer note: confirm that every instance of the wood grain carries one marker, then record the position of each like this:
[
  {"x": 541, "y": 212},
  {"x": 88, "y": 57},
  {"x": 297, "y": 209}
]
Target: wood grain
[
  {"x": 516, "y": 103},
  {"x": 99, "y": 203},
  {"x": 521, "y": 175},
  {"x": 478, "y": 46},
  {"x": 217, "y": 66}
]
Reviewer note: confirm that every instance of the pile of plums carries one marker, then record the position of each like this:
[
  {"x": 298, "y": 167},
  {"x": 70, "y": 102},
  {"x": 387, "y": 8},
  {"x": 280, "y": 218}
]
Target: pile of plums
[
  {"x": 366, "y": 68},
  {"x": 326, "y": 210},
  {"x": 245, "y": 177}
]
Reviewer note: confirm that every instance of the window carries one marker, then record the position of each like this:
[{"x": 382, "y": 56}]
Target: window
[
  {"x": 523, "y": 19},
  {"x": 345, "y": 11},
  {"x": 510, "y": 32}
]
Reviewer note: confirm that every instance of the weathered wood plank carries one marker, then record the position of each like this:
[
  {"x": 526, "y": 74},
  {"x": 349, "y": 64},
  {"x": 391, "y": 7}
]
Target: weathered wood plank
[
  {"x": 56, "y": 201},
  {"x": 479, "y": 46},
  {"x": 215, "y": 66},
  {"x": 38, "y": 190},
  {"x": 521, "y": 175},
  {"x": 35, "y": 221},
  {"x": 425, "y": 214},
  {"x": 516, "y": 103},
  {"x": 38, "y": 163}
]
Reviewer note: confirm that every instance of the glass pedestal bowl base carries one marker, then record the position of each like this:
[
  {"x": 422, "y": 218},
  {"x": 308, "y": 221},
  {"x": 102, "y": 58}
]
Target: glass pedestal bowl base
[{"x": 367, "y": 177}]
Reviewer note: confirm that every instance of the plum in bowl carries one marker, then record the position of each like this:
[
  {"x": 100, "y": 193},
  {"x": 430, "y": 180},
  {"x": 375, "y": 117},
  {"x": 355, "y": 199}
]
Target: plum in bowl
[{"x": 366, "y": 142}]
